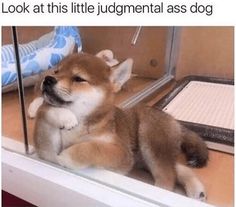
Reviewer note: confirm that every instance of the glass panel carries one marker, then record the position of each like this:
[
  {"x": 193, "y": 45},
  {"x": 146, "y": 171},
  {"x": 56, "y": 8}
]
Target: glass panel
[
  {"x": 39, "y": 38},
  {"x": 11, "y": 100},
  {"x": 152, "y": 57},
  {"x": 12, "y": 126}
]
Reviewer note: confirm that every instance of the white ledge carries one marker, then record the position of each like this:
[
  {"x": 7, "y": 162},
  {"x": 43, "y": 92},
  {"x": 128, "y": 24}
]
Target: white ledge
[{"x": 44, "y": 184}]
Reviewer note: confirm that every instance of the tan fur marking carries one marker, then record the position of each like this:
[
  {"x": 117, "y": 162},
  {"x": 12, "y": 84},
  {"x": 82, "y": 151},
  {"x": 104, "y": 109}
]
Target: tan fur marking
[{"x": 97, "y": 154}]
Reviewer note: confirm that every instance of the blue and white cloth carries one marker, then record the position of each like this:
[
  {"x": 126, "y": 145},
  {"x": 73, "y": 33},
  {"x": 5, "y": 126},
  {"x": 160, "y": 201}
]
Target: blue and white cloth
[{"x": 40, "y": 55}]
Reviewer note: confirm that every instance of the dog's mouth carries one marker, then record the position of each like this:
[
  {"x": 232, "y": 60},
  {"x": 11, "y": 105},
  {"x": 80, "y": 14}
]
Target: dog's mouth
[
  {"x": 54, "y": 95},
  {"x": 52, "y": 98}
]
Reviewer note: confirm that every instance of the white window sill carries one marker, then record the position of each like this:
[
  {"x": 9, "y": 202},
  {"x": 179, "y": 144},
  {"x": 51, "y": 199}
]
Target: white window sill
[{"x": 43, "y": 184}]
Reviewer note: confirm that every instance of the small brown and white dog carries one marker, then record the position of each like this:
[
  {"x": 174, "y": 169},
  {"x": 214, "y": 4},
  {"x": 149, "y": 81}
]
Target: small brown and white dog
[{"x": 78, "y": 126}]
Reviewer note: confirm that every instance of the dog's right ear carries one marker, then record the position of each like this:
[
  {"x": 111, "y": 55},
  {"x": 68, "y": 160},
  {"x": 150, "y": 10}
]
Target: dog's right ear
[
  {"x": 120, "y": 74},
  {"x": 108, "y": 57}
]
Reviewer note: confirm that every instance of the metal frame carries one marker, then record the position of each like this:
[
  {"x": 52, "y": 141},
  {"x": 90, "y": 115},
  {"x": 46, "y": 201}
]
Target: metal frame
[
  {"x": 170, "y": 64},
  {"x": 217, "y": 138},
  {"x": 20, "y": 88}
]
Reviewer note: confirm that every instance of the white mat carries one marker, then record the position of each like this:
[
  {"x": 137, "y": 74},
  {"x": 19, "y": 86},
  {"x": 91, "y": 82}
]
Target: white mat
[{"x": 204, "y": 103}]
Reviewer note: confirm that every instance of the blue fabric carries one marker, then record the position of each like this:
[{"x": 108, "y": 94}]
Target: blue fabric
[
  {"x": 37, "y": 60},
  {"x": 7, "y": 53}
]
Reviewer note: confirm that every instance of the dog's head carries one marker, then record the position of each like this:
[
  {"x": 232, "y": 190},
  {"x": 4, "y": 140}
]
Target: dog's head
[{"x": 84, "y": 79}]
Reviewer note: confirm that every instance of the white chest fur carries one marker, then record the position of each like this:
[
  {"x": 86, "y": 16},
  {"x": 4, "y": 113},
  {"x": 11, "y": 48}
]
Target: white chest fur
[{"x": 85, "y": 104}]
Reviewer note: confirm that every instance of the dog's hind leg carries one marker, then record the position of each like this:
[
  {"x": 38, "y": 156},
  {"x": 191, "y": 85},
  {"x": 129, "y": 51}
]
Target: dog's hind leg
[
  {"x": 192, "y": 185},
  {"x": 163, "y": 171},
  {"x": 164, "y": 175},
  {"x": 99, "y": 154}
]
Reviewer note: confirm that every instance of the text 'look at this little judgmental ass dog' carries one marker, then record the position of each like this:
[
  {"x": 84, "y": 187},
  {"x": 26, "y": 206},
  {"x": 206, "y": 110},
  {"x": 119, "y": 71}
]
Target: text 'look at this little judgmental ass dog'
[{"x": 78, "y": 126}]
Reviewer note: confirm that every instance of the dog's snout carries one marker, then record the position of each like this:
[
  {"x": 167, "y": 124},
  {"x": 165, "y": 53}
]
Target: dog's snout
[{"x": 49, "y": 81}]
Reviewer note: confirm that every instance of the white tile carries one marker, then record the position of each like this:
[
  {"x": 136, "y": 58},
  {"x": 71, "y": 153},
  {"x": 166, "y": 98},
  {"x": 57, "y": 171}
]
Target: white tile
[{"x": 204, "y": 103}]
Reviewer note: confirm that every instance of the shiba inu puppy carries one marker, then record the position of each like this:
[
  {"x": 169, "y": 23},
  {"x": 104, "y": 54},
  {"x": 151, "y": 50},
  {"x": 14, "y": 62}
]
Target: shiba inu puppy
[
  {"x": 106, "y": 55},
  {"x": 78, "y": 126}
]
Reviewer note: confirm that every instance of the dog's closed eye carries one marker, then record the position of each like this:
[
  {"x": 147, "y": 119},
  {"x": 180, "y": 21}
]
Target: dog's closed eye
[
  {"x": 78, "y": 79},
  {"x": 56, "y": 71}
]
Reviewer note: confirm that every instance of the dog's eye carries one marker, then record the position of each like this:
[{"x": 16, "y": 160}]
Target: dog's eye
[
  {"x": 56, "y": 71},
  {"x": 78, "y": 79}
]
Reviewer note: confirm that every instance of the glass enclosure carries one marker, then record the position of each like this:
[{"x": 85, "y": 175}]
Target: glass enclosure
[{"x": 160, "y": 60}]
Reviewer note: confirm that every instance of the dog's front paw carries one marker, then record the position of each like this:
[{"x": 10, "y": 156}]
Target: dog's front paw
[
  {"x": 68, "y": 121},
  {"x": 34, "y": 106}
]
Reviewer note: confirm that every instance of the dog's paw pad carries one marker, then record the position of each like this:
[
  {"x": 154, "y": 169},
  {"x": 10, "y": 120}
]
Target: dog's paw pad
[
  {"x": 70, "y": 124},
  {"x": 202, "y": 196}
]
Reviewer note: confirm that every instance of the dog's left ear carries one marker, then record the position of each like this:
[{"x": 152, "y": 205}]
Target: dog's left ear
[
  {"x": 120, "y": 74},
  {"x": 108, "y": 57}
]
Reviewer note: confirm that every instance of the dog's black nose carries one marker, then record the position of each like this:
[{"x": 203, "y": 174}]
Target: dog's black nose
[{"x": 49, "y": 81}]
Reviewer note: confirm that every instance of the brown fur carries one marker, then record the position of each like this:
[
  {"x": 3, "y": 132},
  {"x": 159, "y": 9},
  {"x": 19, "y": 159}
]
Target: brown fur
[{"x": 117, "y": 139}]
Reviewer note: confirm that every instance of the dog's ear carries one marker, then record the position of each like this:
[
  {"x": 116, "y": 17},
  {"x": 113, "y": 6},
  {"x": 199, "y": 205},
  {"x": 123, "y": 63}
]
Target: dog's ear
[
  {"x": 105, "y": 54},
  {"x": 108, "y": 57},
  {"x": 120, "y": 74}
]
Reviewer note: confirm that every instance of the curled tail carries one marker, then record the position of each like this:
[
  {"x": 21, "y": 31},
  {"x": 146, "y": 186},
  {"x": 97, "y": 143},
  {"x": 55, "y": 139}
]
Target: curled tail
[{"x": 194, "y": 148}]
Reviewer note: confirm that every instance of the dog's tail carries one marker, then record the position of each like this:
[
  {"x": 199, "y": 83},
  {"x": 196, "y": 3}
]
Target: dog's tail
[{"x": 194, "y": 148}]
